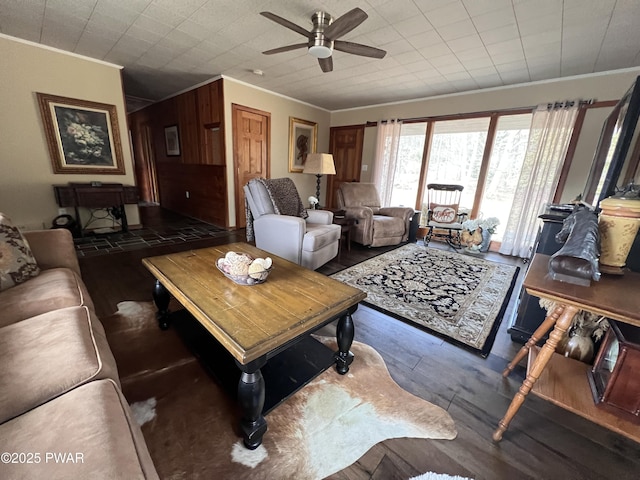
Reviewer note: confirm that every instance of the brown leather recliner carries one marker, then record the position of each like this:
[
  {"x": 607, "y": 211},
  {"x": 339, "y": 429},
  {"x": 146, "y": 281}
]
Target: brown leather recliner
[{"x": 376, "y": 226}]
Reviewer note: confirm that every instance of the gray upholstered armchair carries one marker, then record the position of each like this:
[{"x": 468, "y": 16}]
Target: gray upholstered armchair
[
  {"x": 275, "y": 220},
  {"x": 376, "y": 226}
]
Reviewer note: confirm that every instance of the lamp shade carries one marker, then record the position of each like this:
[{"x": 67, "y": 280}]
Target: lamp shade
[{"x": 319, "y": 164}]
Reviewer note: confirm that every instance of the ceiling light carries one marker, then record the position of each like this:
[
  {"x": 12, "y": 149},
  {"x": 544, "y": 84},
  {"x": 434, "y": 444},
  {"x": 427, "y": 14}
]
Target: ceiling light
[{"x": 320, "y": 51}]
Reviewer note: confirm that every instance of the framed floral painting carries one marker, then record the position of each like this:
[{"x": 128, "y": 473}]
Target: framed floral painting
[
  {"x": 83, "y": 136},
  {"x": 303, "y": 137}
]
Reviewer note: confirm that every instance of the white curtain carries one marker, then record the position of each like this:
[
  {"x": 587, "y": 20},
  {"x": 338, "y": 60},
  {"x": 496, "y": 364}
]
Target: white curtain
[
  {"x": 384, "y": 168},
  {"x": 551, "y": 129}
]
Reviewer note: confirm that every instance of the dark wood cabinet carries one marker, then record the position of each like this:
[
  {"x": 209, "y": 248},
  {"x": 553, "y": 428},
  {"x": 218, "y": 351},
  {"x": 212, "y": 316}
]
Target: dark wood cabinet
[{"x": 529, "y": 315}]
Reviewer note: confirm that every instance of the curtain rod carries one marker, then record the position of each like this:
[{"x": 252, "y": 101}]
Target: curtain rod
[
  {"x": 486, "y": 113},
  {"x": 570, "y": 103}
]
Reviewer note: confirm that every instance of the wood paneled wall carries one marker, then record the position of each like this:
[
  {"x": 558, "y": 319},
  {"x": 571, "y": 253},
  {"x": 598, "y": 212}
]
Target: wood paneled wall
[{"x": 200, "y": 169}]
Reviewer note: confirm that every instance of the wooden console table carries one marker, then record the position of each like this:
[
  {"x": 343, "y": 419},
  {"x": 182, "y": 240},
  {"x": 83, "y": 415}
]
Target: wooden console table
[
  {"x": 614, "y": 297},
  {"x": 97, "y": 196}
]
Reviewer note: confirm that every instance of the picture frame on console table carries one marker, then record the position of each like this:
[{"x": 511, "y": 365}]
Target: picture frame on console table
[
  {"x": 82, "y": 136},
  {"x": 303, "y": 139}
]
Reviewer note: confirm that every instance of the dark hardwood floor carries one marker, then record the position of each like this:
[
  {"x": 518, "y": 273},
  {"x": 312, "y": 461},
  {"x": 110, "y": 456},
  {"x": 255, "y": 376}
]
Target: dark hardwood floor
[{"x": 543, "y": 441}]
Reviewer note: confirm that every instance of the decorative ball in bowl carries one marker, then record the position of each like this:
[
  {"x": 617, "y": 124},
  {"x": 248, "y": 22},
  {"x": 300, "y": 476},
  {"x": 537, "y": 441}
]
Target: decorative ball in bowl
[{"x": 243, "y": 269}]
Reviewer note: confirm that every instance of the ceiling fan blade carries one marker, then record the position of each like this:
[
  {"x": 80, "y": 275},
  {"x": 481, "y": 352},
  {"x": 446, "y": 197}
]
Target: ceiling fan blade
[
  {"x": 358, "y": 49},
  {"x": 286, "y": 23},
  {"x": 326, "y": 64},
  {"x": 345, "y": 23},
  {"x": 286, "y": 48}
]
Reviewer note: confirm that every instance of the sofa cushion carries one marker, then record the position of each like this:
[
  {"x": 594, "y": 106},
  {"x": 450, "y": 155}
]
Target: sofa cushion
[
  {"x": 52, "y": 289},
  {"x": 17, "y": 263},
  {"x": 91, "y": 425},
  {"x": 48, "y": 355},
  {"x": 319, "y": 236}
]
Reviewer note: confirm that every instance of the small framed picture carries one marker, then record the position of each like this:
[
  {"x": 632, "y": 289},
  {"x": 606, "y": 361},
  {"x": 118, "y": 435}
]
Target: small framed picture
[
  {"x": 302, "y": 141},
  {"x": 172, "y": 141}
]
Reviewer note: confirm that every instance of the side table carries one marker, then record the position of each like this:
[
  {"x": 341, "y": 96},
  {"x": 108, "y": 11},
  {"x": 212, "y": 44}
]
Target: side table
[
  {"x": 346, "y": 224},
  {"x": 564, "y": 384}
]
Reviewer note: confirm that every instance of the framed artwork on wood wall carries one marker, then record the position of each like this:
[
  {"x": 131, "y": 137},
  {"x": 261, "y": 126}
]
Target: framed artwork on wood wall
[
  {"x": 303, "y": 137},
  {"x": 82, "y": 136},
  {"x": 172, "y": 141}
]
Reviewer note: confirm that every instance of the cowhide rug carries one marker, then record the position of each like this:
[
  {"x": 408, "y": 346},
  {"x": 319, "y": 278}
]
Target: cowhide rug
[
  {"x": 457, "y": 296},
  {"x": 190, "y": 424}
]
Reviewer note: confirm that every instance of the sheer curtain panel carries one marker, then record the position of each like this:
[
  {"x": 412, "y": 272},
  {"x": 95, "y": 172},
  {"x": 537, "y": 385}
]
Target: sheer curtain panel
[
  {"x": 551, "y": 129},
  {"x": 386, "y": 158}
]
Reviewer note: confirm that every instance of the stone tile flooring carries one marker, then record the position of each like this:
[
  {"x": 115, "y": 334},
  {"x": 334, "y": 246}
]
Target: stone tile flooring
[{"x": 183, "y": 231}]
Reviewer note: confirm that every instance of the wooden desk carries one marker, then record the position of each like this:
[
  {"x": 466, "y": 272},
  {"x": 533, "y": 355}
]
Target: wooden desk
[
  {"x": 613, "y": 296},
  {"x": 255, "y": 323},
  {"x": 105, "y": 195}
]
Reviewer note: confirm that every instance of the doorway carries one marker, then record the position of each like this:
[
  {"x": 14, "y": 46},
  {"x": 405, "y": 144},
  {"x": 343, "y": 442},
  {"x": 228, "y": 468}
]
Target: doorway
[
  {"x": 345, "y": 144},
  {"x": 251, "y": 152}
]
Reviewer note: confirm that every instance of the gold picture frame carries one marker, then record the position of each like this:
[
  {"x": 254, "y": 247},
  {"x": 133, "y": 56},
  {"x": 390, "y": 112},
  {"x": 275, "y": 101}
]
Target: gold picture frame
[
  {"x": 82, "y": 136},
  {"x": 303, "y": 139}
]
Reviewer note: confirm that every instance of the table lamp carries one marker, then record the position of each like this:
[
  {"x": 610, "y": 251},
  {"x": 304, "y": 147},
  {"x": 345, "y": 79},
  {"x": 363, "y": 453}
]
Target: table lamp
[{"x": 319, "y": 164}]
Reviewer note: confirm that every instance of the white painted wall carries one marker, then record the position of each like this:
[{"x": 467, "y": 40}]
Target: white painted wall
[{"x": 26, "y": 173}]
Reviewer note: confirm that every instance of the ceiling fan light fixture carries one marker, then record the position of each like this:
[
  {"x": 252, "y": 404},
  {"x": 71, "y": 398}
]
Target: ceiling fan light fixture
[
  {"x": 325, "y": 36},
  {"x": 320, "y": 51}
]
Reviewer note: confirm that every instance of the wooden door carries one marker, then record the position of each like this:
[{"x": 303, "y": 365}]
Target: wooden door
[
  {"x": 345, "y": 144},
  {"x": 251, "y": 151}
]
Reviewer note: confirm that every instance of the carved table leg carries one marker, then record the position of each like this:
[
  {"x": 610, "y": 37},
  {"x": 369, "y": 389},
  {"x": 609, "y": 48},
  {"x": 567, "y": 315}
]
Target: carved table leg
[
  {"x": 540, "y": 332},
  {"x": 161, "y": 298},
  {"x": 566, "y": 314},
  {"x": 344, "y": 335},
  {"x": 251, "y": 391}
]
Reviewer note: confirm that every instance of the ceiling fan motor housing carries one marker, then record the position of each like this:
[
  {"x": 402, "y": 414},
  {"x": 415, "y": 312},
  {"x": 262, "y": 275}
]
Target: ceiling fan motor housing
[{"x": 319, "y": 46}]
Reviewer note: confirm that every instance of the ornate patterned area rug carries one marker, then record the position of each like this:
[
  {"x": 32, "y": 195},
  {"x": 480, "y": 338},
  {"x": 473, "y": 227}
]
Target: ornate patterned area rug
[
  {"x": 459, "y": 297},
  {"x": 191, "y": 425}
]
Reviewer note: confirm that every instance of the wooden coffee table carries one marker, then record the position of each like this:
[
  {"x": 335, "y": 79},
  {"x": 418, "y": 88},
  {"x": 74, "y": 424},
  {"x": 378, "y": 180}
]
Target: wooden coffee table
[{"x": 254, "y": 323}]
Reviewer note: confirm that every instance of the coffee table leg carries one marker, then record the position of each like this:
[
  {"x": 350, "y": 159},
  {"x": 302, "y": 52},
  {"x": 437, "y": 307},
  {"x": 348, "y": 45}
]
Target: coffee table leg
[
  {"x": 251, "y": 400},
  {"x": 161, "y": 298},
  {"x": 344, "y": 336}
]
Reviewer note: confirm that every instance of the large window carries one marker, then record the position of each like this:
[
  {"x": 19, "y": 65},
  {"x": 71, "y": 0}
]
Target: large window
[
  {"x": 458, "y": 154},
  {"x": 505, "y": 163},
  {"x": 406, "y": 180}
]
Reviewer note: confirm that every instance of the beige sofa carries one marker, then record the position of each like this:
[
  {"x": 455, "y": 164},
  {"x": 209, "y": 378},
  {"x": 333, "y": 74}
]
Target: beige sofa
[{"x": 62, "y": 413}]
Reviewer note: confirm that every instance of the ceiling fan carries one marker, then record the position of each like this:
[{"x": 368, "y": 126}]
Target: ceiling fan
[{"x": 322, "y": 39}]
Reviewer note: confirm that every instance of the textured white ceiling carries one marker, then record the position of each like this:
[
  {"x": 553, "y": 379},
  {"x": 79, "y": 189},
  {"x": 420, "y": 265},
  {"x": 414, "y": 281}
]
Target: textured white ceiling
[{"x": 434, "y": 46}]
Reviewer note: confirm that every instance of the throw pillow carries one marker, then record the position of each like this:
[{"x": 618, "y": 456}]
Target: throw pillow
[
  {"x": 444, "y": 213},
  {"x": 17, "y": 263}
]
